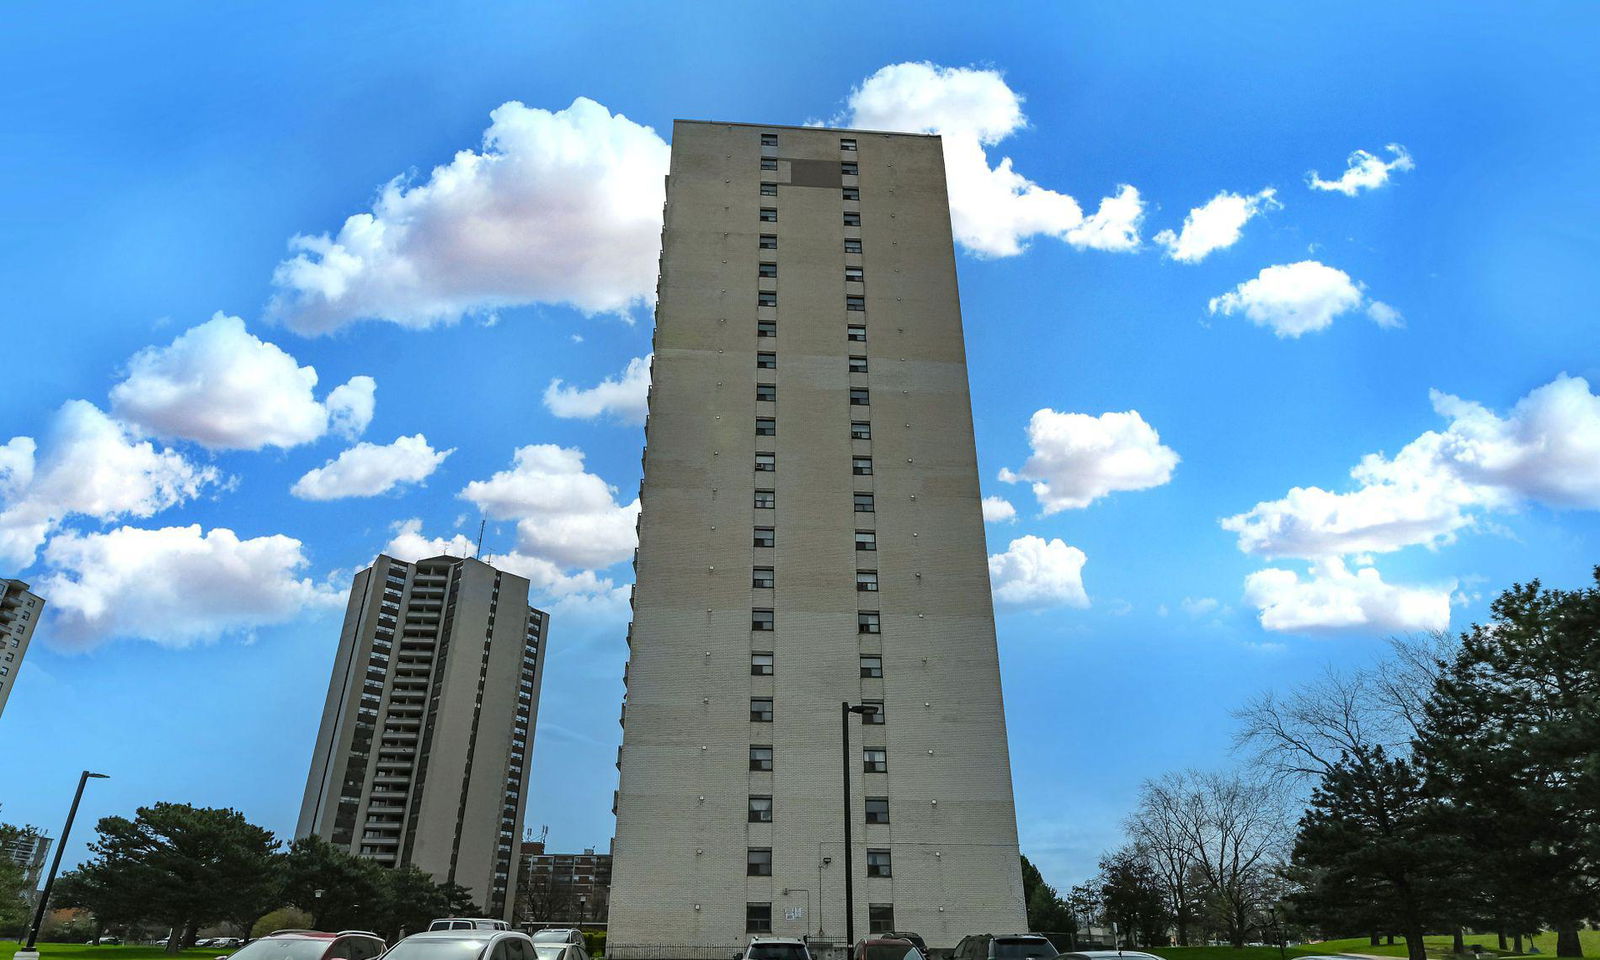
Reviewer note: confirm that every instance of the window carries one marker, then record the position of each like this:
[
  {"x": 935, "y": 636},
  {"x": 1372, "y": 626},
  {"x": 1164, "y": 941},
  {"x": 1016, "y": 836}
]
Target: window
[
  {"x": 859, "y": 397},
  {"x": 860, "y": 430},
  {"x": 758, "y": 918},
  {"x": 769, "y": 189},
  {"x": 858, "y": 364},
  {"x": 766, "y": 391},
  {"x": 867, "y": 622},
  {"x": 878, "y": 864},
  {"x": 760, "y": 809},
  {"x": 766, "y": 328},
  {"x": 852, "y": 245},
  {"x": 760, "y": 758},
  {"x": 855, "y": 333},
  {"x": 877, "y": 809},
  {"x": 766, "y": 462},
  {"x": 761, "y": 709},
  {"x": 766, "y": 499},
  {"x": 866, "y": 581},
  {"x": 766, "y": 361},
  {"x": 762, "y": 577},
  {"x": 872, "y": 667},
  {"x": 769, "y": 139},
  {"x": 764, "y": 537},
  {"x": 880, "y": 917},
  {"x": 767, "y": 270},
  {"x": 876, "y": 716},
  {"x": 768, "y": 298},
  {"x": 769, "y": 215},
  {"x": 769, "y": 163},
  {"x": 762, "y": 620},
  {"x": 769, "y": 241},
  {"x": 758, "y": 862},
  {"x": 875, "y": 760},
  {"x": 848, "y": 168},
  {"x": 865, "y": 540},
  {"x": 853, "y": 303},
  {"x": 760, "y": 664},
  {"x": 852, "y": 193},
  {"x": 863, "y": 503},
  {"x": 766, "y": 427},
  {"x": 861, "y": 466},
  {"x": 845, "y": 143},
  {"x": 852, "y": 218},
  {"x": 854, "y": 274}
]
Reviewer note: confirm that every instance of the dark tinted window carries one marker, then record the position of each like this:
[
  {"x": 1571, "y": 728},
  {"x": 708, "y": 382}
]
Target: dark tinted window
[
  {"x": 776, "y": 951},
  {"x": 1023, "y": 948}
]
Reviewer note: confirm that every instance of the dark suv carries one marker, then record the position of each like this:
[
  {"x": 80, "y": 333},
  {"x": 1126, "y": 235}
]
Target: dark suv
[{"x": 1013, "y": 946}]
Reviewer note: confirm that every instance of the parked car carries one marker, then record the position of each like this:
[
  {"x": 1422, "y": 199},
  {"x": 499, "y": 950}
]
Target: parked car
[
  {"x": 1108, "y": 955},
  {"x": 464, "y": 945},
  {"x": 558, "y": 935},
  {"x": 312, "y": 945},
  {"x": 915, "y": 938},
  {"x": 1012, "y": 946},
  {"x": 774, "y": 948},
  {"x": 229, "y": 943},
  {"x": 886, "y": 948},
  {"x": 468, "y": 923},
  {"x": 552, "y": 950}
]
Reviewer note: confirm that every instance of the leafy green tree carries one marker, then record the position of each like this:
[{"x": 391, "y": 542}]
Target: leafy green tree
[
  {"x": 332, "y": 885},
  {"x": 1511, "y": 733},
  {"x": 1131, "y": 891},
  {"x": 409, "y": 899},
  {"x": 14, "y": 894},
  {"x": 1046, "y": 911}
]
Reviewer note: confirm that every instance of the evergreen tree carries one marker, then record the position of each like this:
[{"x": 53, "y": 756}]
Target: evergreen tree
[{"x": 1046, "y": 911}]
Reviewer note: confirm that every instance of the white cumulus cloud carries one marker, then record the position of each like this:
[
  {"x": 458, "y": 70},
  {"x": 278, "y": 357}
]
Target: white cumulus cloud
[
  {"x": 1334, "y": 598},
  {"x": 994, "y": 210},
  {"x": 1035, "y": 573},
  {"x": 91, "y": 465},
  {"x": 368, "y": 469},
  {"x": 998, "y": 510},
  {"x": 1078, "y": 458},
  {"x": 1217, "y": 225},
  {"x": 564, "y": 514},
  {"x": 1364, "y": 171},
  {"x": 224, "y": 388},
  {"x": 555, "y": 207},
  {"x": 623, "y": 398},
  {"x": 1299, "y": 298},
  {"x": 174, "y": 586}
]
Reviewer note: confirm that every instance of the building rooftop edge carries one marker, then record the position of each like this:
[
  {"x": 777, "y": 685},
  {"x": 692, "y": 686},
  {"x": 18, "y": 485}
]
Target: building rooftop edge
[{"x": 801, "y": 126}]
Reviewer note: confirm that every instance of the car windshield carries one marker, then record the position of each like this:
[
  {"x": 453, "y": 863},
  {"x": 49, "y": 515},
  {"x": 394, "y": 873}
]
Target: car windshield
[
  {"x": 776, "y": 951},
  {"x": 435, "y": 948},
  {"x": 551, "y": 936},
  {"x": 1023, "y": 948},
  {"x": 285, "y": 948},
  {"x": 892, "y": 951},
  {"x": 549, "y": 951}
]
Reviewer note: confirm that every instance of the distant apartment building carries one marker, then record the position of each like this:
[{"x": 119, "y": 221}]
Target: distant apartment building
[
  {"x": 28, "y": 850},
  {"x": 811, "y": 535},
  {"x": 422, "y": 754},
  {"x": 559, "y": 888},
  {"x": 19, "y": 615}
]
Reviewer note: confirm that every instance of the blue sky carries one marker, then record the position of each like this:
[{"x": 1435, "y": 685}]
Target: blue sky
[{"x": 160, "y": 159}]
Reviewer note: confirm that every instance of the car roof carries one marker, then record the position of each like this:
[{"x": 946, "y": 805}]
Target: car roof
[
  {"x": 468, "y": 934},
  {"x": 778, "y": 940}
]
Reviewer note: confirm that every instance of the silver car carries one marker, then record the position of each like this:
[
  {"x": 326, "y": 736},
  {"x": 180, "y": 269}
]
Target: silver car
[{"x": 464, "y": 945}]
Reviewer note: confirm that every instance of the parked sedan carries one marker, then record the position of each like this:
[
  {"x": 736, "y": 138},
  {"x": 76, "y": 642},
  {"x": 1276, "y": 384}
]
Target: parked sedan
[
  {"x": 312, "y": 945},
  {"x": 464, "y": 945}
]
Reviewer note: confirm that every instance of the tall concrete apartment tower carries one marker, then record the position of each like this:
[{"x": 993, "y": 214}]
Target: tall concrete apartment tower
[
  {"x": 422, "y": 754},
  {"x": 811, "y": 535},
  {"x": 19, "y": 615}
]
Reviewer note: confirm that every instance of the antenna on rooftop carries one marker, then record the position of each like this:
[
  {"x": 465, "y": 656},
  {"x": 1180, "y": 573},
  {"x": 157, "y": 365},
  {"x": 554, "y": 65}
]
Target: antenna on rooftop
[{"x": 481, "y": 524}]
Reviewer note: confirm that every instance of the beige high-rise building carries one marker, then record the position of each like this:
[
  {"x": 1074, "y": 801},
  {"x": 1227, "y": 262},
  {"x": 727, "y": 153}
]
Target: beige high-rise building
[
  {"x": 811, "y": 535},
  {"x": 19, "y": 615},
  {"x": 422, "y": 755}
]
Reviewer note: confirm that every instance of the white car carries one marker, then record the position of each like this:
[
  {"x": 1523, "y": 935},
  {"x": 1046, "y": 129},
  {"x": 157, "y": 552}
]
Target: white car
[
  {"x": 464, "y": 945},
  {"x": 774, "y": 948},
  {"x": 468, "y": 923}
]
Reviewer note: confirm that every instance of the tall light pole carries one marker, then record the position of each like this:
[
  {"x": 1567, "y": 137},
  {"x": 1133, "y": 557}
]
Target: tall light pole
[
  {"x": 845, "y": 709},
  {"x": 55, "y": 864}
]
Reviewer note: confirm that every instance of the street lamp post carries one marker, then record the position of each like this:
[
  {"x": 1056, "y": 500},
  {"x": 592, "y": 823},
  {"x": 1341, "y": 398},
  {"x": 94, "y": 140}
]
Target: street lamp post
[
  {"x": 28, "y": 952},
  {"x": 845, "y": 709}
]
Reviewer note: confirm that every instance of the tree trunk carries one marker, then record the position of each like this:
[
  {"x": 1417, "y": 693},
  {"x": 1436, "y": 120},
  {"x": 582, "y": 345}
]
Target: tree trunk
[
  {"x": 175, "y": 939},
  {"x": 1502, "y": 946},
  {"x": 1567, "y": 942},
  {"x": 1391, "y": 939},
  {"x": 1518, "y": 950},
  {"x": 1415, "y": 948},
  {"x": 1375, "y": 940},
  {"x": 191, "y": 931}
]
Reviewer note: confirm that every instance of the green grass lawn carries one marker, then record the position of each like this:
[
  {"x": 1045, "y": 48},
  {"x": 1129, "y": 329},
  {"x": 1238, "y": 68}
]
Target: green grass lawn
[
  {"x": 1437, "y": 947},
  {"x": 79, "y": 951}
]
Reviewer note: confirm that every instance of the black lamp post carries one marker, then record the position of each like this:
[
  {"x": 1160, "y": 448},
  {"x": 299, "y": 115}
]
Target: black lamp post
[
  {"x": 55, "y": 863},
  {"x": 845, "y": 709}
]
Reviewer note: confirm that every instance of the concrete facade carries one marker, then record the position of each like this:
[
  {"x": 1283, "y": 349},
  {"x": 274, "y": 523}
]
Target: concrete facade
[
  {"x": 20, "y": 610},
  {"x": 422, "y": 754},
  {"x": 809, "y": 390},
  {"x": 568, "y": 888}
]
